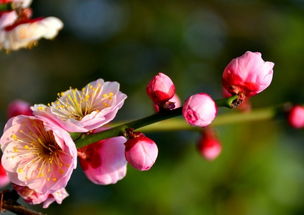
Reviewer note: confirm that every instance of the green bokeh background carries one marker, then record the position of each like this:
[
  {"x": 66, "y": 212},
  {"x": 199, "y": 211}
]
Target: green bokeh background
[{"x": 261, "y": 168}]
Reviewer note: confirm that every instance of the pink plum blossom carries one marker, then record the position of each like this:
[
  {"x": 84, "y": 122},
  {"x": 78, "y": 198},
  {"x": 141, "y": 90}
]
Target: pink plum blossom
[
  {"x": 199, "y": 110},
  {"x": 141, "y": 152},
  {"x": 209, "y": 145},
  {"x": 25, "y": 33},
  {"x": 160, "y": 88},
  {"x": 247, "y": 75},
  {"x": 104, "y": 162},
  {"x": 19, "y": 107},
  {"x": 20, "y": 12},
  {"x": 37, "y": 155},
  {"x": 296, "y": 116},
  {"x": 84, "y": 110},
  {"x": 4, "y": 180},
  {"x": 34, "y": 198}
]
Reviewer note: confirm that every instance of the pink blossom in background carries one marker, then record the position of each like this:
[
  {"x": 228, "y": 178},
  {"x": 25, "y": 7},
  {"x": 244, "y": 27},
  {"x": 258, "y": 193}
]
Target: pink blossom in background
[
  {"x": 296, "y": 116},
  {"x": 247, "y": 75},
  {"x": 26, "y": 32},
  {"x": 209, "y": 145},
  {"x": 37, "y": 155},
  {"x": 84, "y": 110},
  {"x": 104, "y": 162},
  {"x": 199, "y": 110},
  {"x": 7, "y": 18},
  {"x": 161, "y": 88},
  {"x": 141, "y": 152},
  {"x": 4, "y": 180},
  {"x": 19, "y": 107},
  {"x": 34, "y": 198},
  {"x": 22, "y": 3}
]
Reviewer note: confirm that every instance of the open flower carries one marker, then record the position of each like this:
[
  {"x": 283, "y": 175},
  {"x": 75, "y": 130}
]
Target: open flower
[
  {"x": 18, "y": 30},
  {"x": 26, "y": 32},
  {"x": 39, "y": 156},
  {"x": 104, "y": 162},
  {"x": 84, "y": 110},
  {"x": 34, "y": 198}
]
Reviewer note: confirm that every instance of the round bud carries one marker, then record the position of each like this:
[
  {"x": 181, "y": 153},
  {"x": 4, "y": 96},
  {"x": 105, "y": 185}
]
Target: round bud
[
  {"x": 161, "y": 88},
  {"x": 199, "y": 110},
  {"x": 141, "y": 152},
  {"x": 296, "y": 116}
]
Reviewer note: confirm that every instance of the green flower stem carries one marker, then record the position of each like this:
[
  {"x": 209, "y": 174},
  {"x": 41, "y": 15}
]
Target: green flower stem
[
  {"x": 6, "y": 7},
  {"x": 224, "y": 119},
  {"x": 86, "y": 139}
]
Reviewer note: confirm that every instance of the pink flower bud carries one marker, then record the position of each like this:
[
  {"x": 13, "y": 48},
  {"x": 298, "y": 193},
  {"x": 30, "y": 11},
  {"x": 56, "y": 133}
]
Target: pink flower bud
[
  {"x": 104, "y": 162},
  {"x": 174, "y": 101},
  {"x": 296, "y": 116},
  {"x": 19, "y": 107},
  {"x": 247, "y": 75},
  {"x": 141, "y": 152},
  {"x": 199, "y": 110},
  {"x": 160, "y": 88},
  {"x": 209, "y": 146},
  {"x": 4, "y": 180}
]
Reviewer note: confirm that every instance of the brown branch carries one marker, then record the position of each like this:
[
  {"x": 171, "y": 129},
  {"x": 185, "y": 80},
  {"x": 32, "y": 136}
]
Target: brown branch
[
  {"x": 9, "y": 202},
  {"x": 19, "y": 209}
]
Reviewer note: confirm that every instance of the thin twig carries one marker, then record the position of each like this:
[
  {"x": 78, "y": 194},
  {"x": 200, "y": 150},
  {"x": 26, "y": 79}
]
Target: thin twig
[{"x": 19, "y": 209}]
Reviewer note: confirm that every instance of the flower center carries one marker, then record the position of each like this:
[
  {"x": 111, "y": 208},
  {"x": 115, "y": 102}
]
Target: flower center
[
  {"x": 76, "y": 104},
  {"x": 39, "y": 147}
]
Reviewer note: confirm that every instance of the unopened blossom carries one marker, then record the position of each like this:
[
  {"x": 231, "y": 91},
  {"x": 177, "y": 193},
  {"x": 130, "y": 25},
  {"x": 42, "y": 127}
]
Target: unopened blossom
[
  {"x": 176, "y": 100},
  {"x": 296, "y": 116},
  {"x": 34, "y": 198},
  {"x": 141, "y": 152},
  {"x": 171, "y": 104},
  {"x": 247, "y": 75},
  {"x": 209, "y": 145},
  {"x": 26, "y": 33},
  {"x": 83, "y": 110},
  {"x": 199, "y": 110},
  {"x": 104, "y": 162},
  {"x": 19, "y": 107},
  {"x": 160, "y": 89},
  {"x": 37, "y": 155},
  {"x": 4, "y": 180}
]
